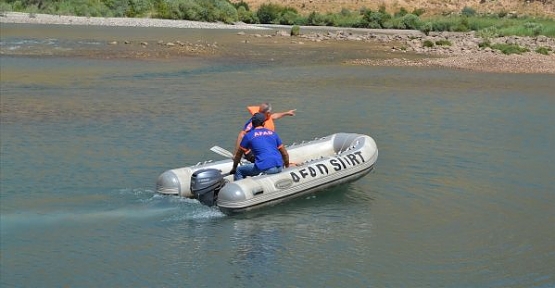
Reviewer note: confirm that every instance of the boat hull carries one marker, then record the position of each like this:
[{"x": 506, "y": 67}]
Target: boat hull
[
  {"x": 236, "y": 208},
  {"x": 322, "y": 163}
]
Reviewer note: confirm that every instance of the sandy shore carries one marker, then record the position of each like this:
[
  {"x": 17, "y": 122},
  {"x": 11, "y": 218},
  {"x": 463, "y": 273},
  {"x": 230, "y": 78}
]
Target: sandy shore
[{"x": 470, "y": 58}]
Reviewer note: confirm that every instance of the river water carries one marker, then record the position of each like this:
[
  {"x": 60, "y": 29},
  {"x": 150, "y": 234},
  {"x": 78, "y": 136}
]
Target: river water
[{"x": 462, "y": 195}]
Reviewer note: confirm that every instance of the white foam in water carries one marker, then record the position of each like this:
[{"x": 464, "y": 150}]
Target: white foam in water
[
  {"x": 173, "y": 209},
  {"x": 186, "y": 208},
  {"x": 196, "y": 213}
]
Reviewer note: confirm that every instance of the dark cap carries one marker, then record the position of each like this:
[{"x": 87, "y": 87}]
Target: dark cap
[{"x": 258, "y": 119}]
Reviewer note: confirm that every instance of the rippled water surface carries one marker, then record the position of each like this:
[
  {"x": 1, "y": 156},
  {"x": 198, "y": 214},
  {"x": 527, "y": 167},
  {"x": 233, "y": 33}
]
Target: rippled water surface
[{"x": 462, "y": 194}]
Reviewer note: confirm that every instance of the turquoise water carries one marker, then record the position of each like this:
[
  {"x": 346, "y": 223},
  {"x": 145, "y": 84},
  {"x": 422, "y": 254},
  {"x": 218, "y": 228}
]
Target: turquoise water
[{"x": 462, "y": 194}]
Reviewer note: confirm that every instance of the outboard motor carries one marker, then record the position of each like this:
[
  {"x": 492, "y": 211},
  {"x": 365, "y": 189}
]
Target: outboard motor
[{"x": 205, "y": 185}]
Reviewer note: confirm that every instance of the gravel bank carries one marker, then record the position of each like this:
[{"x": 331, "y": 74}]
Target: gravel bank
[
  {"x": 483, "y": 62},
  {"x": 26, "y": 18}
]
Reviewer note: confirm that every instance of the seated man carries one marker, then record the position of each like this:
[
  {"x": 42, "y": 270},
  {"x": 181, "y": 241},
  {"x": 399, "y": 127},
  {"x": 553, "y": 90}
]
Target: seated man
[
  {"x": 266, "y": 109},
  {"x": 269, "y": 152}
]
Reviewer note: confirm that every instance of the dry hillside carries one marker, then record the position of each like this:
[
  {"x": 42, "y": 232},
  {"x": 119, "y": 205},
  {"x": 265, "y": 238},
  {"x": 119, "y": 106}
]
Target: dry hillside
[{"x": 529, "y": 7}]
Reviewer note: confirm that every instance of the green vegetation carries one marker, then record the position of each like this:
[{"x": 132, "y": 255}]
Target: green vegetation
[
  {"x": 543, "y": 50},
  {"x": 485, "y": 43},
  {"x": 510, "y": 48},
  {"x": 495, "y": 26},
  {"x": 505, "y": 48},
  {"x": 428, "y": 43},
  {"x": 492, "y": 25},
  {"x": 295, "y": 30},
  {"x": 443, "y": 42}
]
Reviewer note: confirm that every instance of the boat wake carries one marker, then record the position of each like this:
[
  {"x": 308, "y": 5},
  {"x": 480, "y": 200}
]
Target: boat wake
[
  {"x": 180, "y": 208},
  {"x": 154, "y": 209},
  {"x": 183, "y": 208}
]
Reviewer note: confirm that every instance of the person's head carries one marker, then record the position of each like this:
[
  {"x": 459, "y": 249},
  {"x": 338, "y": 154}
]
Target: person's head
[
  {"x": 265, "y": 108},
  {"x": 258, "y": 119}
]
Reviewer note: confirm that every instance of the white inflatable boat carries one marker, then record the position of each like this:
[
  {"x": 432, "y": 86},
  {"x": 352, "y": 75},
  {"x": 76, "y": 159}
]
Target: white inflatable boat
[{"x": 321, "y": 163}]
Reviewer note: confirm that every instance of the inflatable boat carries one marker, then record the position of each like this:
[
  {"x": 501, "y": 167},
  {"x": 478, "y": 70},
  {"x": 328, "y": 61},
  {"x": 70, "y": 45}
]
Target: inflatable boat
[{"x": 319, "y": 164}]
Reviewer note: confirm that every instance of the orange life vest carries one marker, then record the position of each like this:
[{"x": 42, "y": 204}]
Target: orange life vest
[{"x": 269, "y": 124}]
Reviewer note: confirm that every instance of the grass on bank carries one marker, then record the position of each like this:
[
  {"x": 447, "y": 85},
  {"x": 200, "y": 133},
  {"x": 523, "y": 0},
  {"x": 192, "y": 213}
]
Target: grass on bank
[
  {"x": 492, "y": 25},
  {"x": 495, "y": 26}
]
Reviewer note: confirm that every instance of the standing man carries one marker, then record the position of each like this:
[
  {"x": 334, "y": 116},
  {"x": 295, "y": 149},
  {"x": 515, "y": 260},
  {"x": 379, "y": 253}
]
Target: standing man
[
  {"x": 266, "y": 109},
  {"x": 269, "y": 152}
]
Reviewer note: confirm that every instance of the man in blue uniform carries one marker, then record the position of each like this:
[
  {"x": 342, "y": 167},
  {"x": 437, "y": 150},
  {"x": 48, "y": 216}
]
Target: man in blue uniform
[
  {"x": 269, "y": 152},
  {"x": 266, "y": 109}
]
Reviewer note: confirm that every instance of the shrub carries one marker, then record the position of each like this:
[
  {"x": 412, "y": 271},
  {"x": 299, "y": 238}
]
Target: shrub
[
  {"x": 442, "y": 25},
  {"x": 18, "y": 6},
  {"x": 295, "y": 30},
  {"x": 4, "y": 7},
  {"x": 189, "y": 10},
  {"x": 137, "y": 8},
  {"x": 489, "y": 32},
  {"x": 397, "y": 23},
  {"x": 241, "y": 4},
  {"x": 484, "y": 44},
  {"x": 402, "y": 12},
  {"x": 169, "y": 10},
  {"x": 443, "y": 42},
  {"x": 346, "y": 19},
  {"x": 246, "y": 16},
  {"x": 411, "y": 21},
  {"x": 428, "y": 43},
  {"x": 225, "y": 11},
  {"x": 288, "y": 18},
  {"x": 462, "y": 26},
  {"x": 426, "y": 28},
  {"x": 535, "y": 28},
  {"x": 276, "y": 14},
  {"x": 468, "y": 11},
  {"x": 543, "y": 50},
  {"x": 331, "y": 19},
  {"x": 510, "y": 48},
  {"x": 316, "y": 19},
  {"x": 269, "y": 13},
  {"x": 375, "y": 19}
]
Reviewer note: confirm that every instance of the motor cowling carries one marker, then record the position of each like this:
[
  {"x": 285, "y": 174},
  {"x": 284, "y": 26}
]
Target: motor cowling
[{"x": 205, "y": 185}]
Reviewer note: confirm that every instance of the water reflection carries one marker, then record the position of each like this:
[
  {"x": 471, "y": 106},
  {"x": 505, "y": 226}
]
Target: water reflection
[{"x": 257, "y": 245}]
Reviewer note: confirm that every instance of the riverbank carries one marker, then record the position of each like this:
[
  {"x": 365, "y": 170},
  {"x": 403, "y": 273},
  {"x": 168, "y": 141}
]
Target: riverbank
[
  {"x": 27, "y": 18},
  {"x": 451, "y": 50}
]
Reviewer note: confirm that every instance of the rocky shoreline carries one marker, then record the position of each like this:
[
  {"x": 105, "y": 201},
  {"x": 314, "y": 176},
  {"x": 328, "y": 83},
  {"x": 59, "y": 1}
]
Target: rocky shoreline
[
  {"x": 455, "y": 50},
  {"x": 452, "y": 50}
]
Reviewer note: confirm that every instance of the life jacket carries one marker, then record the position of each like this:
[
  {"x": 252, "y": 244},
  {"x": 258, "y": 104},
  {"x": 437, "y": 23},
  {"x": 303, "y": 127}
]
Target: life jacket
[{"x": 268, "y": 124}]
